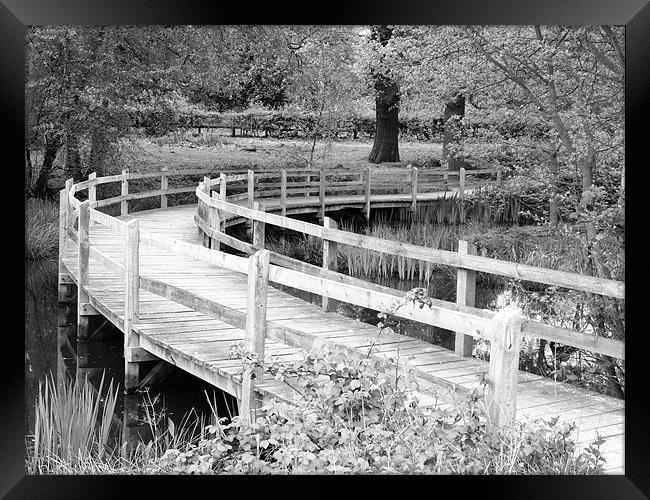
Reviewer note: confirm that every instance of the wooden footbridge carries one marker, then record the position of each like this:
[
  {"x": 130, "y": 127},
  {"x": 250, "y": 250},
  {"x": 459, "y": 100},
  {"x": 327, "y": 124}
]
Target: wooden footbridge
[{"x": 161, "y": 277}]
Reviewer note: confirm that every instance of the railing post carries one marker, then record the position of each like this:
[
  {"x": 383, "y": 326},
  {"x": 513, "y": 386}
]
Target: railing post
[
  {"x": 414, "y": 187},
  {"x": 92, "y": 188},
  {"x": 255, "y": 331},
  {"x": 124, "y": 205},
  {"x": 466, "y": 296},
  {"x": 504, "y": 365},
  {"x": 283, "y": 193},
  {"x": 164, "y": 186},
  {"x": 330, "y": 252},
  {"x": 223, "y": 190},
  {"x": 251, "y": 193},
  {"x": 308, "y": 182},
  {"x": 461, "y": 194},
  {"x": 259, "y": 228},
  {"x": 63, "y": 226},
  {"x": 214, "y": 223},
  {"x": 321, "y": 192},
  {"x": 367, "y": 197},
  {"x": 83, "y": 257},
  {"x": 205, "y": 213},
  {"x": 131, "y": 302}
]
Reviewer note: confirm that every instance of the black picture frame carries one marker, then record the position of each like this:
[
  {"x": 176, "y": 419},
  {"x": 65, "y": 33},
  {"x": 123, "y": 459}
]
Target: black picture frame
[{"x": 634, "y": 14}]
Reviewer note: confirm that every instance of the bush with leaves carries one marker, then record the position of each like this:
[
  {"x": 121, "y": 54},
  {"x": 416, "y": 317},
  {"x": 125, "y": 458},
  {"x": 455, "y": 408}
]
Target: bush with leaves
[{"x": 362, "y": 416}]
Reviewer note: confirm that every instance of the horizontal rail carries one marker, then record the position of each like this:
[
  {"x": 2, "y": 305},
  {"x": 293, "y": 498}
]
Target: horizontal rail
[
  {"x": 515, "y": 270},
  {"x": 297, "y": 274}
]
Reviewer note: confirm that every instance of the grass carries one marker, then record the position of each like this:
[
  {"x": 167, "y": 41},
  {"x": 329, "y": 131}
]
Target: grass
[
  {"x": 41, "y": 229},
  {"x": 76, "y": 432},
  {"x": 216, "y": 147},
  {"x": 73, "y": 426}
]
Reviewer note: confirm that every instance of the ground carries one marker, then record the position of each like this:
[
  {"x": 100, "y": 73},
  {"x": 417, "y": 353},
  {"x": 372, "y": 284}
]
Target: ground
[{"x": 186, "y": 148}]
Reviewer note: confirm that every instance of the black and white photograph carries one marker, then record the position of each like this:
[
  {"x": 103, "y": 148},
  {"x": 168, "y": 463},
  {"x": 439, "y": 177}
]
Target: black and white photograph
[{"x": 325, "y": 249}]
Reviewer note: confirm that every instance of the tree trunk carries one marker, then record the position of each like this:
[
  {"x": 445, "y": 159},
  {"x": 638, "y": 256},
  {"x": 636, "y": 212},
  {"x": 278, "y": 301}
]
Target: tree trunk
[
  {"x": 52, "y": 146},
  {"x": 454, "y": 111},
  {"x": 553, "y": 211},
  {"x": 385, "y": 146},
  {"x": 29, "y": 171}
]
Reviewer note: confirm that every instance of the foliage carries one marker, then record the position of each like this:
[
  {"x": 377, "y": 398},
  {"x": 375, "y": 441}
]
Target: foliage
[
  {"x": 41, "y": 229},
  {"x": 360, "y": 416}
]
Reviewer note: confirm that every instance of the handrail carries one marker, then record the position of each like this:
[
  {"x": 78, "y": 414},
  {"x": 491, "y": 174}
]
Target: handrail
[
  {"x": 460, "y": 317},
  {"x": 463, "y": 261}
]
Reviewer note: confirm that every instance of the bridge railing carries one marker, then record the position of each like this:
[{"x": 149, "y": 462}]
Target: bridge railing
[
  {"x": 331, "y": 285},
  {"x": 329, "y": 185},
  {"x": 502, "y": 328}
]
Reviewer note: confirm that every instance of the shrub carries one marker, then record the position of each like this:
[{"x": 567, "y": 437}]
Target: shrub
[{"x": 362, "y": 416}]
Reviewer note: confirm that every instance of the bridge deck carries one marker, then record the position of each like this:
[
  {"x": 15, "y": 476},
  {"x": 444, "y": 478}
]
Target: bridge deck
[{"x": 200, "y": 344}]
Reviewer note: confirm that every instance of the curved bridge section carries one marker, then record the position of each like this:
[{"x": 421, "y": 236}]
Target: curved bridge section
[{"x": 179, "y": 299}]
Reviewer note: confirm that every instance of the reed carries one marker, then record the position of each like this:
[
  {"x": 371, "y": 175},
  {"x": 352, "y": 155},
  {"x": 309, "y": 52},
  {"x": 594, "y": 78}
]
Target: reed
[
  {"x": 73, "y": 424},
  {"x": 41, "y": 229}
]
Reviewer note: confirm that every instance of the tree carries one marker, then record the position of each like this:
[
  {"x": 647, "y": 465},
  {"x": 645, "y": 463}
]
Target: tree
[{"x": 385, "y": 146}]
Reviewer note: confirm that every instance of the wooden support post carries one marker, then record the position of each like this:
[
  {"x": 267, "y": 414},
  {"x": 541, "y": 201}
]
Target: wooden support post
[
  {"x": 124, "y": 205},
  {"x": 504, "y": 365},
  {"x": 259, "y": 228},
  {"x": 461, "y": 184},
  {"x": 255, "y": 332},
  {"x": 466, "y": 296},
  {"x": 308, "y": 182},
  {"x": 205, "y": 215},
  {"x": 461, "y": 194},
  {"x": 63, "y": 228},
  {"x": 214, "y": 223},
  {"x": 321, "y": 193},
  {"x": 164, "y": 186},
  {"x": 92, "y": 188},
  {"x": 251, "y": 193},
  {"x": 330, "y": 252},
  {"x": 131, "y": 301},
  {"x": 223, "y": 190},
  {"x": 283, "y": 200},
  {"x": 367, "y": 197},
  {"x": 414, "y": 187},
  {"x": 283, "y": 193},
  {"x": 83, "y": 257}
]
